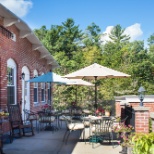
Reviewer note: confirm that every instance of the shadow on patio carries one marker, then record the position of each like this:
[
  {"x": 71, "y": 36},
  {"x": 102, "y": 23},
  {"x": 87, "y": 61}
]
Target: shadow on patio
[{"x": 48, "y": 142}]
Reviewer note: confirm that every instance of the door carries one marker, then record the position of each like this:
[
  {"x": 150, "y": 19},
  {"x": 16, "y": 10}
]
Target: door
[{"x": 25, "y": 91}]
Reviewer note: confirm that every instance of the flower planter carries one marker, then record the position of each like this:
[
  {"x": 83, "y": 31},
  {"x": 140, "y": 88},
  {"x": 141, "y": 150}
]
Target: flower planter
[
  {"x": 107, "y": 113},
  {"x": 124, "y": 150},
  {"x": 129, "y": 150}
]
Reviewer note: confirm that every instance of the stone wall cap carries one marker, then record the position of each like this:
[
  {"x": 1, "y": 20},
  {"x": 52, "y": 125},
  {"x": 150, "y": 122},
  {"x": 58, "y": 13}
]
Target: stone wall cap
[
  {"x": 141, "y": 108},
  {"x": 124, "y": 102},
  {"x": 134, "y": 98}
]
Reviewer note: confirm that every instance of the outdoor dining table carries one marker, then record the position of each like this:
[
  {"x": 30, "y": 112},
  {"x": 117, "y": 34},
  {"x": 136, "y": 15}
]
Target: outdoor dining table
[{"x": 46, "y": 118}]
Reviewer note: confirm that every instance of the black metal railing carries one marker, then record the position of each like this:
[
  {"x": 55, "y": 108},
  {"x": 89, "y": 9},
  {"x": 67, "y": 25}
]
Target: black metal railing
[{"x": 6, "y": 32}]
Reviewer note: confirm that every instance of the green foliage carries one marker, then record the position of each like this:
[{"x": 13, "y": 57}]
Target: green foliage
[
  {"x": 92, "y": 35},
  {"x": 70, "y": 37},
  {"x": 151, "y": 40},
  {"x": 74, "y": 49},
  {"x": 143, "y": 143},
  {"x": 107, "y": 108},
  {"x": 117, "y": 34}
]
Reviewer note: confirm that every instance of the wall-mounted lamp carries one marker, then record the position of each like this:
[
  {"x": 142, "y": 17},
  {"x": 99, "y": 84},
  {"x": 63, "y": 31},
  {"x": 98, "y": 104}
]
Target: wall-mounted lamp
[
  {"x": 141, "y": 94},
  {"x": 23, "y": 75}
]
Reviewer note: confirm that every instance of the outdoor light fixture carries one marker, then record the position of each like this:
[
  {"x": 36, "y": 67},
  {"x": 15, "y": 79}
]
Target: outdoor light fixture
[
  {"x": 23, "y": 75},
  {"x": 141, "y": 93}
]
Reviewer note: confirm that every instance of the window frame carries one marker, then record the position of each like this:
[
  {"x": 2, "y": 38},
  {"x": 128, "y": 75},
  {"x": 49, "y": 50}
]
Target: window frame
[{"x": 11, "y": 82}]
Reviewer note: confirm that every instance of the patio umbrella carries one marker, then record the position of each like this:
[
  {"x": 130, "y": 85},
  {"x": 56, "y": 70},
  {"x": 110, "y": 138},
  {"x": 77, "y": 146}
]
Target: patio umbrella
[
  {"x": 95, "y": 72},
  {"x": 79, "y": 82},
  {"x": 50, "y": 77}
]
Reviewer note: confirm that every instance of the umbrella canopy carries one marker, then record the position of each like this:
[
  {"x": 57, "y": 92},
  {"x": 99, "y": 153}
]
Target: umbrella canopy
[
  {"x": 95, "y": 72},
  {"x": 50, "y": 77},
  {"x": 79, "y": 82}
]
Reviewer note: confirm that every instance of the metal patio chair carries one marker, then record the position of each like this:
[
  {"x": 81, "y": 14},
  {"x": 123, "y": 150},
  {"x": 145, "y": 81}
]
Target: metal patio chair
[
  {"x": 74, "y": 125},
  {"x": 31, "y": 117},
  {"x": 102, "y": 130}
]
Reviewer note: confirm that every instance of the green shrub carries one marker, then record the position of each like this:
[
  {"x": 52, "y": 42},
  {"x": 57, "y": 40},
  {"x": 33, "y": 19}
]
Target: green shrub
[{"x": 143, "y": 143}]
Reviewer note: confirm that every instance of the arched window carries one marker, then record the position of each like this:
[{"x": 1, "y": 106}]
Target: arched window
[
  {"x": 11, "y": 81},
  {"x": 43, "y": 91},
  {"x": 35, "y": 88},
  {"x": 49, "y": 93}
]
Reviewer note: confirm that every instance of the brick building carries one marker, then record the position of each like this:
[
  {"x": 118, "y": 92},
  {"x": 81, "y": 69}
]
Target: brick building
[
  {"x": 138, "y": 115},
  {"x": 22, "y": 52}
]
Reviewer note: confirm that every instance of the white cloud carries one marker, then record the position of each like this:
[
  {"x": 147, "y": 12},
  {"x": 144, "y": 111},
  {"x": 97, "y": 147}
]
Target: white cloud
[
  {"x": 18, "y": 7},
  {"x": 105, "y": 35},
  {"x": 134, "y": 31}
]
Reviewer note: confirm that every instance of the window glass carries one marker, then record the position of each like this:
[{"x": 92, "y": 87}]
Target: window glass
[
  {"x": 43, "y": 92},
  {"x": 35, "y": 88},
  {"x": 11, "y": 81}
]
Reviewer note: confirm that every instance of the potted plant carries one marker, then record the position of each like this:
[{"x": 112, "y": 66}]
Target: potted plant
[
  {"x": 99, "y": 111},
  {"x": 125, "y": 135},
  {"x": 107, "y": 109}
]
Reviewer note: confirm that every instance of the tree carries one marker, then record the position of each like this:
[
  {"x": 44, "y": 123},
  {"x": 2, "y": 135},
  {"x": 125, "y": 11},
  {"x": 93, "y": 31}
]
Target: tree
[
  {"x": 117, "y": 35},
  {"x": 151, "y": 48},
  {"x": 52, "y": 38},
  {"x": 41, "y": 33},
  {"x": 151, "y": 40},
  {"x": 70, "y": 37},
  {"x": 74, "y": 49},
  {"x": 92, "y": 35}
]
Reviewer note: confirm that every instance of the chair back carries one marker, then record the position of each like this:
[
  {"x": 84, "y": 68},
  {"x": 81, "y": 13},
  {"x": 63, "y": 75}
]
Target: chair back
[
  {"x": 15, "y": 114},
  {"x": 106, "y": 124}
]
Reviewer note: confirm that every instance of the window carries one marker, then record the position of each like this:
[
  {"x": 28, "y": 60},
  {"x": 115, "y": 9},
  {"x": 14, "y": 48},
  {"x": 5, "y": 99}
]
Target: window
[
  {"x": 35, "y": 88},
  {"x": 35, "y": 93},
  {"x": 43, "y": 92},
  {"x": 49, "y": 93},
  {"x": 11, "y": 82}
]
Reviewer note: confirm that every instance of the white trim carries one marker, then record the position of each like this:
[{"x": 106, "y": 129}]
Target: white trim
[
  {"x": 25, "y": 90},
  {"x": 135, "y": 99},
  {"x": 11, "y": 63}
]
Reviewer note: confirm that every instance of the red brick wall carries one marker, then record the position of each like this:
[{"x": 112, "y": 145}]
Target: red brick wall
[
  {"x": 141, "y": 116},
  {"x": 142, "y": 121},
  {"x": 21, "y": 52}
]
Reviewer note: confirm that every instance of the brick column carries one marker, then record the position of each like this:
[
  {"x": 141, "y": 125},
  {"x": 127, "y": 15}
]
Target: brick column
[
  {"x": 141, "y": 119},
  {"x": 152, "y": 117}
]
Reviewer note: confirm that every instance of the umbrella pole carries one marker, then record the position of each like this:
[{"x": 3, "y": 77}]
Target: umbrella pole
[{"x": 95, "y": 93}]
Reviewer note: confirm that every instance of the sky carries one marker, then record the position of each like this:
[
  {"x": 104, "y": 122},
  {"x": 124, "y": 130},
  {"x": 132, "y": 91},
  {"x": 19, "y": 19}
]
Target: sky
[{"x": 135, "y": 16}]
